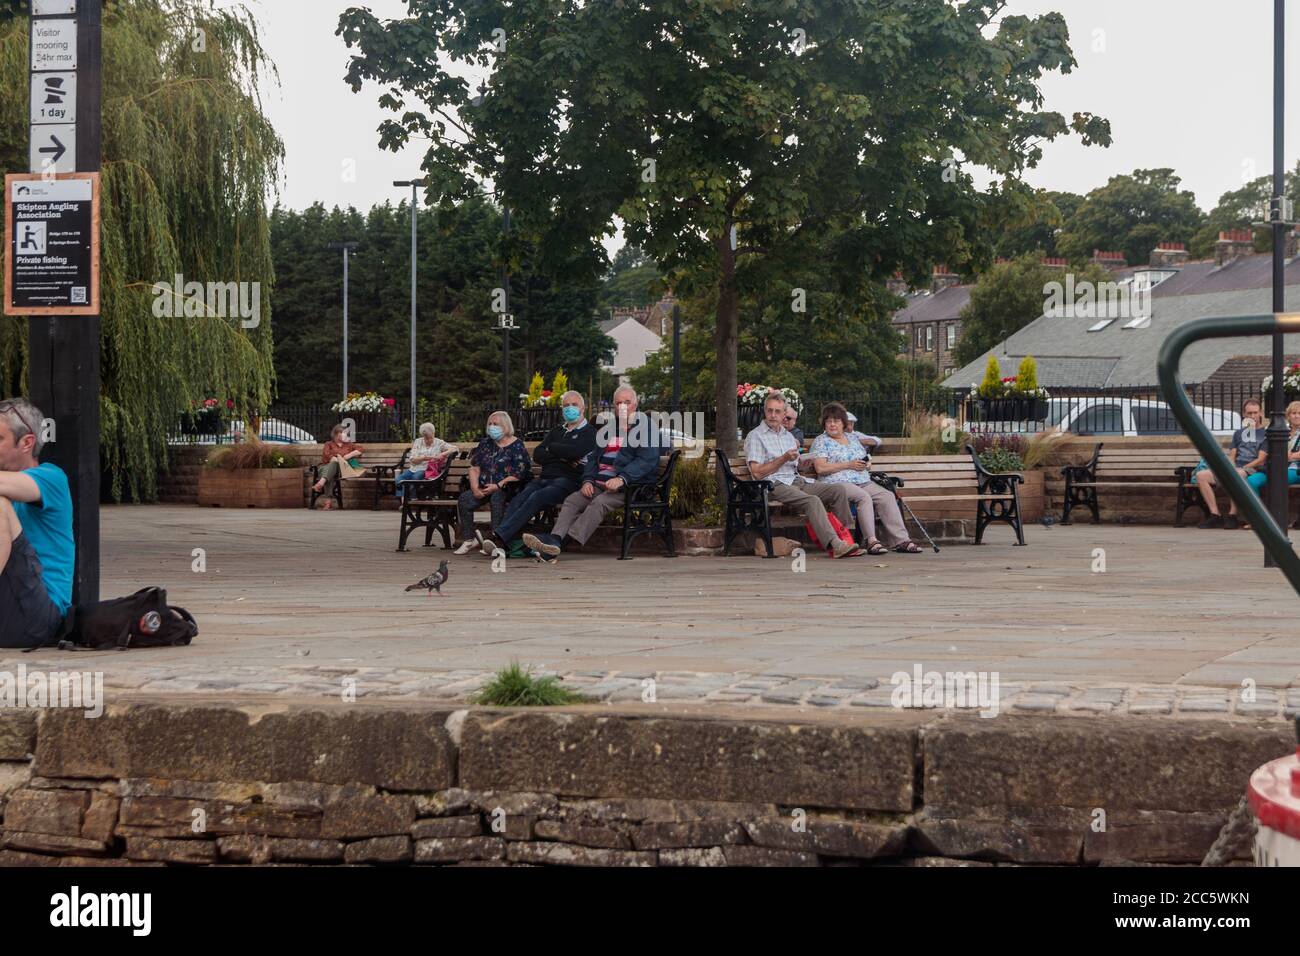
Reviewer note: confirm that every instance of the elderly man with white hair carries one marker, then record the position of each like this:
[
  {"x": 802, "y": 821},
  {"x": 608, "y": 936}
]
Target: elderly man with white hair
[
  {"x": 627, "y": 451},
  {"x": 563, "y": 454},
  {"x": 427, "y": 450}
]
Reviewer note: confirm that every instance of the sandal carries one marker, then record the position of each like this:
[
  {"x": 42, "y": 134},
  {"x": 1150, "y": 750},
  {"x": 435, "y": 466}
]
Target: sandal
[
  {"x": 876, "y": 549},
  {"x": 908, "y": 547}
]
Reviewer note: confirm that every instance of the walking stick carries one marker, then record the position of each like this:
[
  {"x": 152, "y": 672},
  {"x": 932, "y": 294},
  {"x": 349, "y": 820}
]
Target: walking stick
[{"x": 891, "y": 485}]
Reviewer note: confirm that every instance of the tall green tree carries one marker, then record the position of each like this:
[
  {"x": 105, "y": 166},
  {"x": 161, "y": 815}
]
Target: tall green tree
[
  {"x": 725, "y": 133},
  {"x": 188, "y": 162},
  {"x": 1132, "y": 214},
  {"x": 1240, "y": 209},
  {"x": 458, "y": 350},
  {"x": 1038, "y": 225}
]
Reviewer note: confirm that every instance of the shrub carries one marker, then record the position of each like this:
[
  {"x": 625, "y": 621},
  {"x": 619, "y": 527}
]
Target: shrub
[
  {"x": 559, "y": 385},
  {"x": 1027, "y": 375},
  {"x": 514, "y": 687},
  {"x": 250, "y": 453},
  {"x": 992, "y": 386},
  {"x": 926, "y": 434},
  {"x": 1000, "y": 453}
]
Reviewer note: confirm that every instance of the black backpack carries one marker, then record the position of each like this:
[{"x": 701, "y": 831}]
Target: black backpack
[{"x": 142, "y": 620}]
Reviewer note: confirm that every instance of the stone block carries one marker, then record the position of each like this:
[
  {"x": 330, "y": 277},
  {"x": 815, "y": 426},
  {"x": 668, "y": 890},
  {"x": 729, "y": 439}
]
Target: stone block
[
  {"x": 1003, "y": 840},
  {"x": 18, "y": 733},
  {"x": 562, "y": 854},
  {"x": 834, "y": 764},
  {"x": 831, "y": 838},
  {"x": 171, "y": 851},
  {"x": 46, "y": 811},
  {"x": 764, "y": 856},
  {"x": 392, "y": 749},
  {"x": 100, "y": 819},
  {"x": 1154, "y": 836},
  {"x": 389, "y": 849},
  {"x": 376, "y": 816},
  {"x": 693, "y": 856},
  {"x": 597, "y": 837},
  {"x": 287, "y": 850},
  {"x": 463, "y": 826},
  {"x": 667, "y": 836},
  {"x": 456, "y": 849},
  {"x": 978, "y": 769}
]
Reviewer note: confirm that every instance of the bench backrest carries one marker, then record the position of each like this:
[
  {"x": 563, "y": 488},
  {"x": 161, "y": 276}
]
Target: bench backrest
[
  {"x": 1124, "y": 463},
  {"x": 929, "y": 474}
]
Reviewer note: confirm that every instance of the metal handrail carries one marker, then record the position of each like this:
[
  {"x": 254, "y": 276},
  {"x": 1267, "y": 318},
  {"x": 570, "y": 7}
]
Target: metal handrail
[{"x": 1220, "y": 327}]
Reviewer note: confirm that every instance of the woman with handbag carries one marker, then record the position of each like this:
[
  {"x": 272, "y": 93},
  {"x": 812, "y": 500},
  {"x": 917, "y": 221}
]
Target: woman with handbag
[
  {"x": 339, "y": 459},
  {"x": 838, "y": 458}
]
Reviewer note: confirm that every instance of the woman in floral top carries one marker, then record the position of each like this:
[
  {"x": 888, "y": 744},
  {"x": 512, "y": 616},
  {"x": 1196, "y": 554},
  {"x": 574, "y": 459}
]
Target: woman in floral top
[
  {"x": 839, "y": 458},
  {"x": 499, "y": 461}
]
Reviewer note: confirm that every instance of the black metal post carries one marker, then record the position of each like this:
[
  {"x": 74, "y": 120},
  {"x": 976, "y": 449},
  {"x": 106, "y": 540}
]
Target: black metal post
[
  {"x": 63, "y": 370},
  {"x": 677, "y": 356},
  {"x": 1277, "y": 428},
  {"x": 505, "y": 286}
]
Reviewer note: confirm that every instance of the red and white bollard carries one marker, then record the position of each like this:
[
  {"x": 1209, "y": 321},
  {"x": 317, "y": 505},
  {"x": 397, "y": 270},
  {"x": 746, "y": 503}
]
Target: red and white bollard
[{"x": 1274, "y": 795}]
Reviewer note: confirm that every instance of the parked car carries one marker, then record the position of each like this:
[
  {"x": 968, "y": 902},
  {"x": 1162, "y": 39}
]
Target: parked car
[
  {"x": 1102, "y": 415},
  {"x": 272, "y": 430}
]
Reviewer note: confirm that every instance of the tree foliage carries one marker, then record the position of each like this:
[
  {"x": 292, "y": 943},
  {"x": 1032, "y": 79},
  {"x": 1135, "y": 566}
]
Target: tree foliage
[
  {"x": 458, "y": 348},
  {"x": 188, "y": 163},
  {"x": 733, "y": 139},
  {"x": 1132, "y": 214},
  {"x": 1241, "y": 209}
]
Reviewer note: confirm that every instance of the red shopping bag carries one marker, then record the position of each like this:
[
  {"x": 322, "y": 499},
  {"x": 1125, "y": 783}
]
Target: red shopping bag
[{"x": 844, "y": 533}]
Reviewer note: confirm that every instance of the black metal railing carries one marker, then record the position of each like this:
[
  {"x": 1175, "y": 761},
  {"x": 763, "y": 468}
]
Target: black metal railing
[{"x": 1127, "y": 410}]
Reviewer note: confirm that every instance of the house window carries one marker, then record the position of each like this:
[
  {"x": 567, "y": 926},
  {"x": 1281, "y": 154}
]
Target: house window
[
  {"x": 952, "y": 335},
  {"x": 920, "y": 338},
  {"x": 929, "y": 338}
]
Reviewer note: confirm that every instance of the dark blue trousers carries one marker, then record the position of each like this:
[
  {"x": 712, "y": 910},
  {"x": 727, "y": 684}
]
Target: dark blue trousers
[{"x": 534, "y": 497}]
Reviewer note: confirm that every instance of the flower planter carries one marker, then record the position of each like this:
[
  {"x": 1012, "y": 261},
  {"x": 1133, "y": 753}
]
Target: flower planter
[
  {"x": 1008, "y": 410},
  {"x": 251, "y": 488},
  {"x": 1033, "y": 495}
]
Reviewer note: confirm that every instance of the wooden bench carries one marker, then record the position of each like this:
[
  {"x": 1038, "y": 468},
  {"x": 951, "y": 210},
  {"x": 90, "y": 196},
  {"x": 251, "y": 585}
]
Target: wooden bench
[
  {"x": 1136, "y": 468},
  {"x": 1132, "y": 468},
  {"x": 924, "y": 481},
  {"x": 382, "y": 475},
  {"x": 432, "y": 505}
]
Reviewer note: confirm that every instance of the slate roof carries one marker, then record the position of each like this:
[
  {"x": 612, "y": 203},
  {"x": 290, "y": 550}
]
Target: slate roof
[
  {"x": 1068, "y": 355},
  {"x": 941, "y": 306}
]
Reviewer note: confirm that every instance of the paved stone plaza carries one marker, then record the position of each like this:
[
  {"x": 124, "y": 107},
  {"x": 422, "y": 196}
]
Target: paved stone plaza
[{"x": 297, "y": 603}]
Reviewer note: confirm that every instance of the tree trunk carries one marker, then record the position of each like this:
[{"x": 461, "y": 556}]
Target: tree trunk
[{"x": 724, "y": 343}]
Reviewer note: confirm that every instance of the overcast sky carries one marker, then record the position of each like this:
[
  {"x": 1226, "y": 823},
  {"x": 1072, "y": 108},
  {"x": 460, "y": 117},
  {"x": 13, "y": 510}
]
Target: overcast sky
[{"x": 1185, "y": 83}]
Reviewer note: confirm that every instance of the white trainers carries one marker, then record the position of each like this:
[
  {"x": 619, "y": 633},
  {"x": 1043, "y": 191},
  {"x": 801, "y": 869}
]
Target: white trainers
[{"x": 466, "y": 547}]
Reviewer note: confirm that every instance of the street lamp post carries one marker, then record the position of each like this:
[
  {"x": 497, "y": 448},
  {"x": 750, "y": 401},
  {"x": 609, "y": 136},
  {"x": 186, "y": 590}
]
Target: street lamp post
[
  {"x": 348, "y": 248},
  {"x": 415, "y": 202},
  {"x": 1278, "y": 219}
]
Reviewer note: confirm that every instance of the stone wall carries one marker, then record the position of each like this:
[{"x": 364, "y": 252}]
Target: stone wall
[{"x": 152, "y": 783}]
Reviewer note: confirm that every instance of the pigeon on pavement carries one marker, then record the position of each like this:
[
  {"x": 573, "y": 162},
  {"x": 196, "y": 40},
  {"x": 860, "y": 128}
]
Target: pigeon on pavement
[{"x": 433, "y": 582}]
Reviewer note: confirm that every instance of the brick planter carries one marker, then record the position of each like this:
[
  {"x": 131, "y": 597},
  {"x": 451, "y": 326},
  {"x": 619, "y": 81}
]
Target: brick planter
[
  {"x": 251, "y": 488},
  {"x": 1033, "y": 496}
]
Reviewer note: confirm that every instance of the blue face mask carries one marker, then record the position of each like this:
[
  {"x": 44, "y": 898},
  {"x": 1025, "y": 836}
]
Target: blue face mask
[
  {"x": 495, "y": 432},
  {"x": 572, "y": 413}
]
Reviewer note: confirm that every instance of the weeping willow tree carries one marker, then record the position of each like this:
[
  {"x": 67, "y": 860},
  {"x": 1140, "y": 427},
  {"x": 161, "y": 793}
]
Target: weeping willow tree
[{"x": 189, "y": 163}]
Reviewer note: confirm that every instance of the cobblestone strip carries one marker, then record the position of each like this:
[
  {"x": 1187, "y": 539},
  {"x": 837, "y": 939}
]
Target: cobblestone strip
[{"x": 770, "y": 690}]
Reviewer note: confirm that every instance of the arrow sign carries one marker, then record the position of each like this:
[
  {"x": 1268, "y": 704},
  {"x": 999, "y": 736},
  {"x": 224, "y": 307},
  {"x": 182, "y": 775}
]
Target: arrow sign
[{"x": 54, "y": 148}]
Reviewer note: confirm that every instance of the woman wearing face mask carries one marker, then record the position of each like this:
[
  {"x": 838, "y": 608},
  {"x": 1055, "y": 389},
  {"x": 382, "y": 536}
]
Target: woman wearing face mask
[
  {"x": 499, "y": 461},
  {"x": 562, "y": 454}
]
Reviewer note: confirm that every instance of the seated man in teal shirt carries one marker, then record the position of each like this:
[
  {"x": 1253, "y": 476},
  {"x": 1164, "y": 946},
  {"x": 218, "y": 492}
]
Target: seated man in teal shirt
[{"x": 36, "y": 546}]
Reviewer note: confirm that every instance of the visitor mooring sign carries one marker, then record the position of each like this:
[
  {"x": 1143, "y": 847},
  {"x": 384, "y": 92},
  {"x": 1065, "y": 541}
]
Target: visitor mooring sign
[{"x": 52, "y": 232}]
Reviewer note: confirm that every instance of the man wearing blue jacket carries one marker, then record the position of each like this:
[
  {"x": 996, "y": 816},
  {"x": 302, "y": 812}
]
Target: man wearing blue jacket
[{"x": 628, "y": 446}]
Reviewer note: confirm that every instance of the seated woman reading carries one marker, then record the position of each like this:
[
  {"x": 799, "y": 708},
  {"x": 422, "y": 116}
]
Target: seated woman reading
[{"x": 337, "y": 453}]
